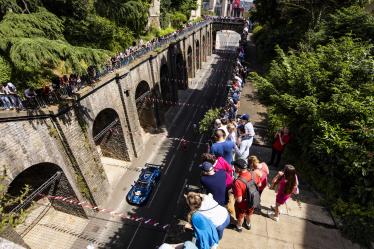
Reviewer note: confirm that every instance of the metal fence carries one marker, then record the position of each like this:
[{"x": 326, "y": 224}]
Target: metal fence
[{"x": 65, "y": 93}]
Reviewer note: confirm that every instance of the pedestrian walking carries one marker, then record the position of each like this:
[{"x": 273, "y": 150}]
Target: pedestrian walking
[{"x": 287, "y": 184}]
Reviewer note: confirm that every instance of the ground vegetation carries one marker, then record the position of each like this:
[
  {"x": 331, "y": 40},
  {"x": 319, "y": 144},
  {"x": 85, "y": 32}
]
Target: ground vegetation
[{"x": 320, "y": 83}]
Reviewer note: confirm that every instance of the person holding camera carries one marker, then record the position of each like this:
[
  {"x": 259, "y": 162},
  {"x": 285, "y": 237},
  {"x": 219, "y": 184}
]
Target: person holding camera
[{"x": 281, "y": 139}]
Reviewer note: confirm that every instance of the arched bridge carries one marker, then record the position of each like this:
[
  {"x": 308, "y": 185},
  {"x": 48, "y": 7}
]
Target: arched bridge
[{"x": 108, "y": 119}]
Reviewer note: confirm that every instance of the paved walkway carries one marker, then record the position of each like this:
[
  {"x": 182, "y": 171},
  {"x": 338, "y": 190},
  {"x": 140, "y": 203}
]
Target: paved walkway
[{"x": 304, "y": 223}]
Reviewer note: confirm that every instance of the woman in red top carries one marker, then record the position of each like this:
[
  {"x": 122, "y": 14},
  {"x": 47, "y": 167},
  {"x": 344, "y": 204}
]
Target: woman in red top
[{"x": 282, "y": 138}]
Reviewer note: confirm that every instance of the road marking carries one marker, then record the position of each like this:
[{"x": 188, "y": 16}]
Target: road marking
[
  {"x": 190, "y": 168},
  {"x": 194, "y": 114},
  {"x": 171, "y": 160},
  {"x": 182, "y": 190},
  {"x": 133, "y": 237},
  {"x": 201, "y": 139},
  {"x": 154, "y": 194}
]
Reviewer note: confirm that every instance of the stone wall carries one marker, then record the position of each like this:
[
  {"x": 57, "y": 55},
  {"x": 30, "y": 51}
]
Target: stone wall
[
  {"x": 81, "y": 151},
  {"x": 65, "y": 138},
  {"x": 154, "y": 14}
]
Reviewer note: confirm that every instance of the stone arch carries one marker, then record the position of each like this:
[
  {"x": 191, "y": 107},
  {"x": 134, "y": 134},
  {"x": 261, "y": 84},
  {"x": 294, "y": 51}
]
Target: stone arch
[
  {"x": 198, "y": 57},
  {"x": 213, "y": 43},
  {"x": 181, "y": 71},
  {"x": 166, "y": 83},
  {"x": 144, "y": 105},
  {"x": 108, "y": 135},
  {"x": 189, "y": 62},
  {"x": 41, "y": 173},
  {"x": 209, "y": 43},
  {"x": 204, "y": 49}
]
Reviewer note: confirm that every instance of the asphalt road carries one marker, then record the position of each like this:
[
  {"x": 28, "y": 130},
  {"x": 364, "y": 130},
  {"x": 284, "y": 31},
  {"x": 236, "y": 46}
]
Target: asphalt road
[{"x": 179, "y": 166}]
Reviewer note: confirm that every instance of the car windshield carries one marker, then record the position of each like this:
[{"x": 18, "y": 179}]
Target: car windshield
[{"x": 141, "y": 184}]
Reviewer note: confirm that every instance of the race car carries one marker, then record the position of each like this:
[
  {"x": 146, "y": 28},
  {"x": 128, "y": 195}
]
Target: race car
[{"x": 142, "y": 188}]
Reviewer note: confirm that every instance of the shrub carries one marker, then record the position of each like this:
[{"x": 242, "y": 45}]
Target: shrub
[
  {"x": 178, "y": 19},
  {"x": 210, "y": 116}
]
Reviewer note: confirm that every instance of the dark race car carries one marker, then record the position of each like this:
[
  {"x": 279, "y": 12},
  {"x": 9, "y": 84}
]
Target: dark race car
[{"x": 143, "y": 187}]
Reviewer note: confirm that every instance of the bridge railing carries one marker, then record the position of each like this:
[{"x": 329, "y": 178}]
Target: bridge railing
[{"x": 57, "y": 93}]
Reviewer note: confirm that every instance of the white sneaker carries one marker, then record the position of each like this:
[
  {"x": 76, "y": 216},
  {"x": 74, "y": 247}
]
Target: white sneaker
[{"x": 273, "y": 217}]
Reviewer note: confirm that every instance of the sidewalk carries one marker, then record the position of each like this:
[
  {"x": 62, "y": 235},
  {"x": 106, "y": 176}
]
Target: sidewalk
[{"x": 303, "y": 224}]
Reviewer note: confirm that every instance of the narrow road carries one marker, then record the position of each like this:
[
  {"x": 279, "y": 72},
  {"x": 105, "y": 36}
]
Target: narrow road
[{"x": 179, "y": 166}]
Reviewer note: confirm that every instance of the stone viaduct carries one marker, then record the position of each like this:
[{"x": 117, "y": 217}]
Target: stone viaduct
[{"x": 108, "y": 119}]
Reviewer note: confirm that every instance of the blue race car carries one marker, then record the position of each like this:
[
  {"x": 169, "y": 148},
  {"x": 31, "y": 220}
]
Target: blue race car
[{"x": 142, "y": 188}]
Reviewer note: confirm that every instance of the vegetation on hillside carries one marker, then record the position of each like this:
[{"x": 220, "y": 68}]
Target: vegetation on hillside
[
  {"x": 176, "y": 12},
  {"x": 40, "y": 39},
  {"x": 320, "y": 83}
]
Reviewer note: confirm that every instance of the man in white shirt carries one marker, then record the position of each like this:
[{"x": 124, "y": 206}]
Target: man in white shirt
[
  {"x": 249, "y": 130},
  {"x": 12, "y": 91}
]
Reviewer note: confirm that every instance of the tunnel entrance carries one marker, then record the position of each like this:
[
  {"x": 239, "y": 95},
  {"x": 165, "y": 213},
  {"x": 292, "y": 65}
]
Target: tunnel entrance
[
  {"x": 204, "y": 49},
  {"x": 189, "y": 62},
  {"x": 108, "y": 135},
  {"x": 43, "y": 179},
  {"x": 227, "y": 40},
  {"x": 197, "y": 55},
  {"x": 144, "y": 104}
]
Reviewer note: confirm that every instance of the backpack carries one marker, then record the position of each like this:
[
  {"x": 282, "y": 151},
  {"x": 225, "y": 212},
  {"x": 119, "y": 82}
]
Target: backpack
[{"x": 252, "y": 196}]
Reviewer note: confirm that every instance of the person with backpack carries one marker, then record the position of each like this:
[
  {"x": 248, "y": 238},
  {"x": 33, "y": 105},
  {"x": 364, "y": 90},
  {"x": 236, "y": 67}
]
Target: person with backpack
[
  {"x": 287, "y": 183},
  {"x": 246, "y": 194},
  {"x": 261, "y": 170}
]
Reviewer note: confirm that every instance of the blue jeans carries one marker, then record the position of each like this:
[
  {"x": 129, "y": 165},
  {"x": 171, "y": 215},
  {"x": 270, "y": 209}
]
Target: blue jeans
[
  {"x": 6, "y": 102},
  {"x": 222, "y": 227}
]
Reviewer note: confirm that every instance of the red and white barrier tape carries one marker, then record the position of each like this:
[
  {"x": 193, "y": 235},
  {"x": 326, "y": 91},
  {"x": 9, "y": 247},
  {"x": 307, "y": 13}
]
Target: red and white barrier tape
[{"x": 124, "y": 216}]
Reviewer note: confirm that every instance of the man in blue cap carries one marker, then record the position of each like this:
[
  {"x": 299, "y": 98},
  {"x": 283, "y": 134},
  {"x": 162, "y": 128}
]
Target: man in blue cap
[
  {"x": 248, "y": 126},
  {"x": 214, "y": 182}
]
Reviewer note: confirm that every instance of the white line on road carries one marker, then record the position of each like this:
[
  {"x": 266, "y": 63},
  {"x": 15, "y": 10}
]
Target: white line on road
[
  {"x": 154, "y": 194},
  {"x": 182, "y": 190},
  {"x": 133, "y": 237},
  {"x": 194, "y": 114},
  {"x": 201, "y": 139},
  {"x": 190, "y": 168},
  {"x": 167, "y": 167}
]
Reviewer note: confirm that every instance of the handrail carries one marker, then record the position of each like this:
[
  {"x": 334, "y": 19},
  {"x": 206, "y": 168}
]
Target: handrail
[
  {"x": 32, "y": 196},
  {"x": 68, "y": 92}
]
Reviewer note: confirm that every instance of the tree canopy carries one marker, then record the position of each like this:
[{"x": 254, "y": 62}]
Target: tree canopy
[
  {"x": 320, "y": 83},
  {"x": 35, "y": 46}
]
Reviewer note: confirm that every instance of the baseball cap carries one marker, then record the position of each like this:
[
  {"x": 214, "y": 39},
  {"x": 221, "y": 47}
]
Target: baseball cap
[
  {"x": 206, "y": 166},
  {"x": 245, "y": 117},
  {"x": 240, "y": 163}
]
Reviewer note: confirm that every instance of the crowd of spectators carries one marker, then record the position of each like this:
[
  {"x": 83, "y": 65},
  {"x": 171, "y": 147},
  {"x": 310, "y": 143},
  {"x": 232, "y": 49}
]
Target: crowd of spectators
[
  {"x": 66, "y": 85},
  {"x": 232, "y": 178}
]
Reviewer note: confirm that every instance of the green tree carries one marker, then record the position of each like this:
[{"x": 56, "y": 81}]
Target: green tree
[
  {"x": 37, "y": 49},
  {"x": 10, "y": 219},
  {"x": 132, "y": 14},
  {"x": 5, "y": 70},
  {"x": 97, "y": 32},
  {"x": 325, "y": 96}
]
